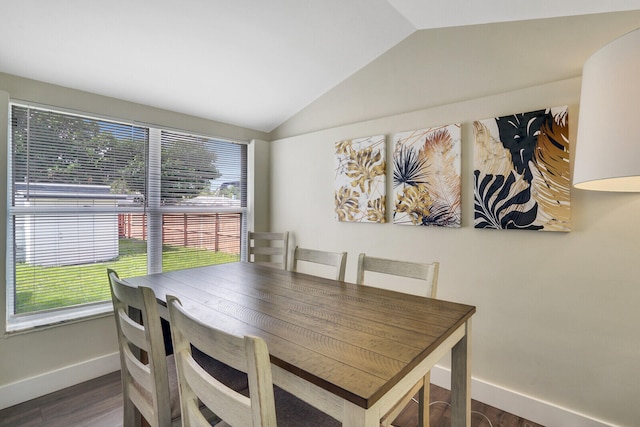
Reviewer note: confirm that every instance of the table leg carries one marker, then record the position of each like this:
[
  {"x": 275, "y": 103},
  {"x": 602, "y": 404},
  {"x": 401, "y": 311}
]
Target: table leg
[
  {"x": 424, "y": 398},
  {"x": 461, "y": 380},
  {"x": 355, "y": 416}
]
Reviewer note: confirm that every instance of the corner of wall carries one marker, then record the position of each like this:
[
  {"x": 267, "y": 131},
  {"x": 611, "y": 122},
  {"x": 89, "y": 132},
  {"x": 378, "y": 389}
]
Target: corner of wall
[{"x": 259, "y": 188}]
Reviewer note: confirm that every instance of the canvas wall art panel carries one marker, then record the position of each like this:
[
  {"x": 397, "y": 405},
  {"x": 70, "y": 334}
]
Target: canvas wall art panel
[
  {"x": 426, "y": 177},
  {"x": 360, "y": 179},
  {"x": 522, "y": 172}
]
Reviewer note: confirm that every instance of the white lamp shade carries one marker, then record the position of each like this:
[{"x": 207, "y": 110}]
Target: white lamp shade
[{"x": 608, "y": 147}]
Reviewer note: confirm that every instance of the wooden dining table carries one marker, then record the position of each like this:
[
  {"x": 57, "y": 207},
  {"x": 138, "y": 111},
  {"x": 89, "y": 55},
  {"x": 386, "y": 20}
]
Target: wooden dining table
[{"x": 350, "y": 350}]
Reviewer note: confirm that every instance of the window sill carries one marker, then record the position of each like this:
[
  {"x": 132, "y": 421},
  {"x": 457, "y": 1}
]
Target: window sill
[{"x": 51, "y": 319}]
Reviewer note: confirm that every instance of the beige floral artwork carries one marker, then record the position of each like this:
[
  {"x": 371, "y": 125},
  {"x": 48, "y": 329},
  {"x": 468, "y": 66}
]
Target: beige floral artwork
[
  {"x": 426, "y": 177},
  {"x": 360, "y": 176}
]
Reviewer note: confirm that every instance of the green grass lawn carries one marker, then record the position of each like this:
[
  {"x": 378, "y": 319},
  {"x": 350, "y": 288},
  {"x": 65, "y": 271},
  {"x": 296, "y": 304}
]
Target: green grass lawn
[{"x": 44, "y": 288}]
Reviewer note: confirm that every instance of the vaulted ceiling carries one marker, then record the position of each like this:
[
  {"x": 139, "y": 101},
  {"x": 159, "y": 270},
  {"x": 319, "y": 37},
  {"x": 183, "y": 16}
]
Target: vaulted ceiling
[{"x": 251, "y": 63}]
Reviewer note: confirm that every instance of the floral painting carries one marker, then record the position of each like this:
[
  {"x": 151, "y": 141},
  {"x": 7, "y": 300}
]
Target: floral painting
[
  {"x": 522, "y": 177},
  {"x": 360, "y": 188},
  {"x": 426, "y": 177}
]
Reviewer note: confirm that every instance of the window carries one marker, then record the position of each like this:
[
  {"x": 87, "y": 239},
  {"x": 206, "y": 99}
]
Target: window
[{"x": 88, "y": 194}]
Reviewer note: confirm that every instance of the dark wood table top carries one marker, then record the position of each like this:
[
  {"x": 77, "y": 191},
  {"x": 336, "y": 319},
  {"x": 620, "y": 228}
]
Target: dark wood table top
[{"x": 354, "y": 341}]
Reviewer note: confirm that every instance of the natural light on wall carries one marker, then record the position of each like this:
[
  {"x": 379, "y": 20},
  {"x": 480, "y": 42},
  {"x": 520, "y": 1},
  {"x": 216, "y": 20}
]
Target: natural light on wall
[{"x": 608, "y": 146}]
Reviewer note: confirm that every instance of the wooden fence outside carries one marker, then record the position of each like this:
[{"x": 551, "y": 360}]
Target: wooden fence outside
[{"x": 218, "y": 232}]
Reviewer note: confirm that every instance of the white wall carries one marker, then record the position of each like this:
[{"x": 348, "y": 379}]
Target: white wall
[
  {"x": 41, "y": 361},
  {"x": 556, "y": 312}
]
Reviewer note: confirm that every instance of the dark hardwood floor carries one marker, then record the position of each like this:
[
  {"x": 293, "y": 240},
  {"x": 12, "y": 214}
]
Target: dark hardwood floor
[{"x": 98, "y": 403}]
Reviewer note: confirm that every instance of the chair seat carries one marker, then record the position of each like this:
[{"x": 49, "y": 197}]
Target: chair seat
[{"x": 291, "y": 411}]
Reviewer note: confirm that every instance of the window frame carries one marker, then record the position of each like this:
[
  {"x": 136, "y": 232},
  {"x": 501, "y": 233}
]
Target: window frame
[{"x": 19, "y": 323}]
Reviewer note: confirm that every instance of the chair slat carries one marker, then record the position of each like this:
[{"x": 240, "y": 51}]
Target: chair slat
[
  {"x": 139, "y": 372},
  {"x": 140, "y": 401},
  {"x": 231, "y": 406},
  {"x": 268, "y": 248},
  {"x": 338, "y": 260},
  {"x": 134, "y": 332},
  {"x": 195, "y": 416},
  {"x": 428, "y": 272}
]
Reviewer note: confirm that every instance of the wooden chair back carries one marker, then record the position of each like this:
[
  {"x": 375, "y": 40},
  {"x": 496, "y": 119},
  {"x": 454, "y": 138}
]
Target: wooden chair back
[
  {"x": 268, "y": 248},
  {"x": 145, "y": 383},
  {"x": 338, "y": 260},
  {"x": 247, "y": 354},
  {"x": 414, "y": 270}
]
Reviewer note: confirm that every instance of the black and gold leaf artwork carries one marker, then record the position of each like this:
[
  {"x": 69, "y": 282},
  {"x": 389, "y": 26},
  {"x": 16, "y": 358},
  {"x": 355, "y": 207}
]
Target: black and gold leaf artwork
[{"x": 522, "y": 173}]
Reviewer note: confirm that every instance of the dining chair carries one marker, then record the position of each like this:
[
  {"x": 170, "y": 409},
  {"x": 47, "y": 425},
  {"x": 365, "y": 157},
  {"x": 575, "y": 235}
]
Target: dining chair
[
  {"x": 261, "y": 404},
  {"x": 427, "y": 272},
  {"x": 149, "y": 379},
  {"x": 338, "y": 260},
  {"x": 149, "y": 387},
  {"x": 268, "y": 248}
]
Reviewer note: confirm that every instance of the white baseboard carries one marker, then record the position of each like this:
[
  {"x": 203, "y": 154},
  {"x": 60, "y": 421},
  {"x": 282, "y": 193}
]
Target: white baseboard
[
  {"x": 527, "y": 407},
  {"x": 536, "y": 410},
  {"x": 30, "y": 388}
]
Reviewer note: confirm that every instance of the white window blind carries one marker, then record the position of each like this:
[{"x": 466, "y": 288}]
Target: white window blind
[
  {"x": 89, "y": 194},
  {"x": 201, "y": 203}
]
